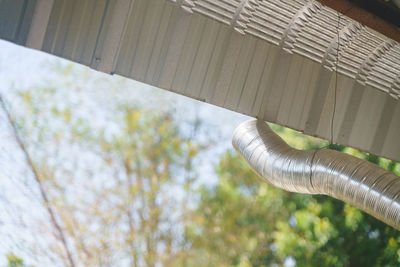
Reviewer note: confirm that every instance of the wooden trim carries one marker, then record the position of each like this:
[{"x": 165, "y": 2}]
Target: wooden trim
[{"x": 354, "y": 11}]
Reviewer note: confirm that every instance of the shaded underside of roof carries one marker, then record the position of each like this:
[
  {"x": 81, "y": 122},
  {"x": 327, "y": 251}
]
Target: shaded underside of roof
[
  {"x": 381, "y": 15},
  {"x": 270, "y": 59}
]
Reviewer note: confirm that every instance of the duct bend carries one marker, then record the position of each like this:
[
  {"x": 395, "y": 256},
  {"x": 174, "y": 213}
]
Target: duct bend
[{"x": 352, "y": 180}]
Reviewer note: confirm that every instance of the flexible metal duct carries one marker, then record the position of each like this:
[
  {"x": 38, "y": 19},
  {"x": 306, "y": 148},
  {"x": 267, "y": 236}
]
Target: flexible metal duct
[{"x": 350, "y": 179}]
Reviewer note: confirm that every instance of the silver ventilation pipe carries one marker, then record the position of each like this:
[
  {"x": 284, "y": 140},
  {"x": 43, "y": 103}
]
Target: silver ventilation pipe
[{"x": 350, "y": 179}]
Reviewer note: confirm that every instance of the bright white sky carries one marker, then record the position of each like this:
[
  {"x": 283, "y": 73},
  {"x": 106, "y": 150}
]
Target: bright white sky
[{"x": 22, "y": 68}]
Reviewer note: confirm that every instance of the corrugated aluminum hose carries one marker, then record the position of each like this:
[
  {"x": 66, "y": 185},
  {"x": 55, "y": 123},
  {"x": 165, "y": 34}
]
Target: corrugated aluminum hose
[{"x": 347, "y": 178}]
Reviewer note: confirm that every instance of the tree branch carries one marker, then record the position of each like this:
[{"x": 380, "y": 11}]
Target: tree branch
[{"x": 36, "y": 176}]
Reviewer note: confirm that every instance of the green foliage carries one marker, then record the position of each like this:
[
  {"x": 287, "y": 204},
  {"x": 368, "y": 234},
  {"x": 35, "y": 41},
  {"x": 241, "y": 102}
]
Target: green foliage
[
  {"x": 245, "y": 218},
  {"x": 14, "y": 261},
  {"x": 120, "y": 185}
]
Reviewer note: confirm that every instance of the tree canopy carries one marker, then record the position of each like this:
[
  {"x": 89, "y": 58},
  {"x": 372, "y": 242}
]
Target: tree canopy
[{"x": 246, "y": 222}]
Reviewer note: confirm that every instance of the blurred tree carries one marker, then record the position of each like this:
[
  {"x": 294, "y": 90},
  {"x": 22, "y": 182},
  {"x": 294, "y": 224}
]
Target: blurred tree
[
  {"x": 117, "y": 188},
  {"x": 246, "y": 222},
  {"x": 14, "y": 261}
]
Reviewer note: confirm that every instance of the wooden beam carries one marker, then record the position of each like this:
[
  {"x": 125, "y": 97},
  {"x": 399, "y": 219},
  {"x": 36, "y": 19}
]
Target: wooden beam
[{"x": 357, "y": 10}]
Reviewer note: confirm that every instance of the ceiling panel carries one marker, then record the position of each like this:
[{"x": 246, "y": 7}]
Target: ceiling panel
[{"x": 264, "y": 58}]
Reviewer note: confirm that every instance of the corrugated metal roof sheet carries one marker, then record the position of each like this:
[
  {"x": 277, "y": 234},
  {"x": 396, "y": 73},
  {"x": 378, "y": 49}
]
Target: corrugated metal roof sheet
[{"x": 267, "y": 58}]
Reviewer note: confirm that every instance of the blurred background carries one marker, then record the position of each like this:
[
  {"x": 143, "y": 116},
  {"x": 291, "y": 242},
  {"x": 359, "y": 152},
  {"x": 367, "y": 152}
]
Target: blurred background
[{"x": 99, "y": 170}]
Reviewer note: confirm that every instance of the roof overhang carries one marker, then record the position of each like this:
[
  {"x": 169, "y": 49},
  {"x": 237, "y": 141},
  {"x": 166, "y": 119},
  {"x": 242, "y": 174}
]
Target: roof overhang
[
  {"x": 379, "y": 15},
  {"x": 271, "y": 59}
]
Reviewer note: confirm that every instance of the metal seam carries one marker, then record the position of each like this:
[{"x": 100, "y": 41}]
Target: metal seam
[
  {"x": 298, "y": 22},
  {"x": 345, "y": 35},
  {"x": 368, "y": 63}
]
